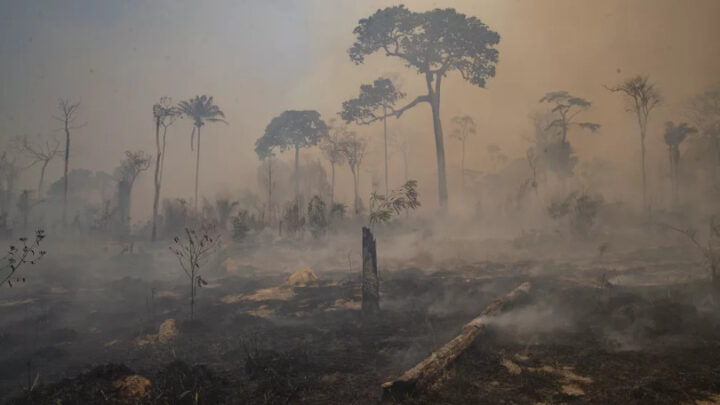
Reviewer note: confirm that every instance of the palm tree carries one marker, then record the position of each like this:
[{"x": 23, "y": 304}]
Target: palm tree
[
  {"x": 200, "y": 109},
  {"x": 674, "y": 136}
]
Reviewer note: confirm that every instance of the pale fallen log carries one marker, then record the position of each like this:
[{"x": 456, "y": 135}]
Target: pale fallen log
[{"x": 425, "y": 372}]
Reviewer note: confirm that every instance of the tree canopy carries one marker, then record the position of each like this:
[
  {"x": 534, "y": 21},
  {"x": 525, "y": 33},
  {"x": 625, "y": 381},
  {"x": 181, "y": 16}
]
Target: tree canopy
[
  {"x": 200, "y": 109},
  {"x": 352, "y": 147},
  {"x": 705, "y": 112},
  {"x": 291, "y": 129},
  {"x": 566, "y": 108},
  {"x": 433, "y": 42},
  {"x": 643, "y": 94},
  {"x": 373, "y": 102},
  {"x": 330, "y": 146},
  {"x": 675, "y": 134},
  {"x": 134, "y": 163},
  {"x": 463, "y": 127}
]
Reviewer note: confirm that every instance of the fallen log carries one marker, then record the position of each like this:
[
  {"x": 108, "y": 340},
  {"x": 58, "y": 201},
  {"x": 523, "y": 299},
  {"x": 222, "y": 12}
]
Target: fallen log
[{"x": 425, "y": 372}]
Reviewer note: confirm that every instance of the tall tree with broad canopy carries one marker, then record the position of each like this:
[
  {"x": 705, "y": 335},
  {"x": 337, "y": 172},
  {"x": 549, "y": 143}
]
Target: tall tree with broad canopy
[
  {"x": 565, "y": 108},
  {"x": 464, "y": 127},
  {"x": 292, "y": 129},
  {"x": 644, "y": 97},
  {"x": 674, "y": 136},
  {"x": 434, "y": 43},
  {"x": 373, "y": 103},
  {"x": 200, "y": 109}
]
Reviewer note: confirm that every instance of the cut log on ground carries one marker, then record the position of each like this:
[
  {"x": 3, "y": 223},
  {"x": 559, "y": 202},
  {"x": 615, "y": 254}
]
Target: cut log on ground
[
  {"x": 425, "y": 372},
  {"x": 370, "y": 281}
]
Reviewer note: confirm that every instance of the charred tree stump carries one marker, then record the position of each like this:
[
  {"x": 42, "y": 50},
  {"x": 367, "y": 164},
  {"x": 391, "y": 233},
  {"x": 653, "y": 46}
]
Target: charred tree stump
[
  {"x": 428, "y": 370},
  {"x": 370, "y": 281}
]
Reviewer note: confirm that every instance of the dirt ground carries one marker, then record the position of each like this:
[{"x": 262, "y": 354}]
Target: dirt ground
[{"x": 636, "y": 326}]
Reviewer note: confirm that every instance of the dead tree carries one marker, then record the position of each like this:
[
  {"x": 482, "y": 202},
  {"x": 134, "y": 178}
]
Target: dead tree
[
  {"x": 644, "y": 97},
  {"x": 428, "y": 370},
  {"x": 370, "y": 281},
  {"x": 164, "y": 115},
  {"x": 41, "y": 153},
  {"x": 134, "y": 164},
  {"x": 68, "y": 116},
  {"x": 710, "y": 249}
]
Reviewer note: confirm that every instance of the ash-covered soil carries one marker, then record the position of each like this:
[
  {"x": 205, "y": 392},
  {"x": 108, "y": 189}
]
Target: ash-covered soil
[{"x": 610, "y": 331}]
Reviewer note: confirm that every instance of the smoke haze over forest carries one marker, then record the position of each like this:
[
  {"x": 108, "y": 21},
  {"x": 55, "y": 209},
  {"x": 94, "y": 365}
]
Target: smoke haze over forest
[{"x": 258, "y": 58}]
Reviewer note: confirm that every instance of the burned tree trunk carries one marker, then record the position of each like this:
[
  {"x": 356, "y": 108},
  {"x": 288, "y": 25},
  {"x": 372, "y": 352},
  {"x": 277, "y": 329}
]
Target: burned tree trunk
[
  {"x": 370, "y": 281},
  {"x": 427, "y": 371}
]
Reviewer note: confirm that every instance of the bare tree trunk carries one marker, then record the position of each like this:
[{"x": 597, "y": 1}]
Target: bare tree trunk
[
  {"x": 644, "y": 176},
  {"x": 10, "y": 192},
  {"x": 270, "y": 187},
  {"x": 672, "y": 176},
  {"x": 297, "y": 175},
  {"x": 162, "y": 154},
  {"x": 462, "y": 166},
  {"x": 156, "y": 198},
  {"x": 370, "y": 281},
  {"x": 192, "y": 297},
  {"x": 42, "y": 178},
  {"x": 405, "y": 167},
  {"x": 356, "y": 186},
  {"x": 387, "y": 187},
  {"x": 65, "y": 176},
  {"x": 124, "y": 190},
  {"x": 197, "y": 169},
  {"x": 439, "y": 143},
  {"x": 715, "y": 139},
  {"x": 24, "y": 204},
  {"x": 713, "y": 274},
  {"x": 677, "y": 177},
  {"x": 712, "y": 256},
  {"x": 332, "y": 184},
  {"x": 440, "y": 151},
  {"x": 428, "y": 370}
]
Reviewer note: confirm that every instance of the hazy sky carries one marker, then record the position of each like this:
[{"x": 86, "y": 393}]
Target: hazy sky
[{"x": 258, "y": 58}]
